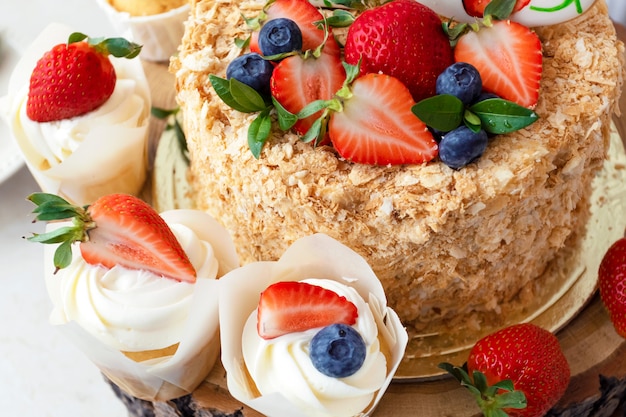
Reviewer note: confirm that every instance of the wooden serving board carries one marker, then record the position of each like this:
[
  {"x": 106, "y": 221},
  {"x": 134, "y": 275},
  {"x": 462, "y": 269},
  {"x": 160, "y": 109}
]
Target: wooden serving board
[{"x": 596, "y": 354}]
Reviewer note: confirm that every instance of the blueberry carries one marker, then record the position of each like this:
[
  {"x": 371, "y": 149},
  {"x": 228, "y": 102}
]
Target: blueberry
[
  {"x": 461, "y": 146},
  {"x": 251, "y": 69},
  {"x": 337, "y": 351},
  {"x": 461, "y": 80},
  {"x": 280, "y": 36}
]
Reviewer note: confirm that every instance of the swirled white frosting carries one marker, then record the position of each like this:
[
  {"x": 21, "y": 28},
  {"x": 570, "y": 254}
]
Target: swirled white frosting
[
  {"x": 84, "y": 157},
  {"x": 131, "y": 310},
  {"x": 55, "y": 141},
  {"x": 283, "y": 365}
]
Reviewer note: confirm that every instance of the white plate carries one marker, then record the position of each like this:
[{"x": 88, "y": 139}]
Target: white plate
[{"x": 10, "y": 157}]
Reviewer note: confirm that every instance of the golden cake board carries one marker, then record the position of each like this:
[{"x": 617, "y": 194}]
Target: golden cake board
[{"x": 575, "y": 312}]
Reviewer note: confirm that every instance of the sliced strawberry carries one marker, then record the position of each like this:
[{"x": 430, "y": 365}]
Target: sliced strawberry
[
  {"x": 290, "y": 306},
  {"x": 376, "y": 125},
  {"x": 476, "y": 8},
  {"x": 299, "y": 80},
  {"x": 118, "y": 229},
  {"x": 130, "y": 233},
  {"x": 508, "y": 57},
  {"x": 304, "y": 14}
]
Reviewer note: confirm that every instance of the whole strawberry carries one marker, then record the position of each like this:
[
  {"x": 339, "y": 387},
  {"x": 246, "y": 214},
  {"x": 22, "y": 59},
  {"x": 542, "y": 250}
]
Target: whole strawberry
[
  {"x": 404, "y": 39},
  {"x": 75, "y": 78},
  {"x": 612, "y": 283},
  {"x": 117, "y": 229},
  {"x": 519, "y": 371}
]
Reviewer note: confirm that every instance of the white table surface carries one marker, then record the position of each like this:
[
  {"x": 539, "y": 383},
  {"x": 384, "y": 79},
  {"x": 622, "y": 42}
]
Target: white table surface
[{"x": 41, "y": 373}]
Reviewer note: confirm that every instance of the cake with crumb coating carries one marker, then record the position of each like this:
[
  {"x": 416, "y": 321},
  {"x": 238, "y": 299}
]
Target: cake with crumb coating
[{"x": 453, "y": 248}]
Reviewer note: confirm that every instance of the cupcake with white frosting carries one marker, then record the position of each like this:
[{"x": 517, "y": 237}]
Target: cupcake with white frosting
[
  {"x": 80, "y": 156},
  {"x": 154, "y": 332},
  {"x": 309, "y": 334}
]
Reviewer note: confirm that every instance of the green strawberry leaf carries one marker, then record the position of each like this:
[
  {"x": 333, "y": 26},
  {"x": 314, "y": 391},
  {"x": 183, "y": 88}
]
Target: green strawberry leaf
[
  {"x": 339, "y": 19},
  {"x": 455, "y": 31},
  {"x": 317, "y": 131},
  {"x": 500, "y": 9},
  {"x": 500, "y": 116},
  {"x": 63, "y": 255},
  {"x": 443, "y": 112},
  {"x": 163, "y": 114},
  {"x": 349, "y": 4},
  {"x": 242, "y": 43},
  {"x": 238, "y": 95},
  {"x": 259, "y": 131}
]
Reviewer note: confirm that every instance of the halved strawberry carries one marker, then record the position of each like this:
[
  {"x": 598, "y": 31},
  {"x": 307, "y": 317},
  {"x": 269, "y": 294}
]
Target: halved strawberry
[
  {"x": 300, "y": 11},
  {"x": 301, "y": 79},
  {"x": 508, "y": 57},
  {"x": 118, "y": 229},
  {"x": 476, "y": 8},
  {"x": 376, "y": 125},
  {"x": 291, "y": 306}
]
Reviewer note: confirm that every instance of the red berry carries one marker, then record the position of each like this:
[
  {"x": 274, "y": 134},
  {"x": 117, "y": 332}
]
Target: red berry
[
  {"x": 612, "y": 283},
  {"x": 387, "y": 39},
  {"x": 377, "y": 126},
  {"x": 531, "y": 358},
  {"x": 291, "y": 306},
  {"x": 508, "y": 57},
  {"x": 118, "y": 229}
]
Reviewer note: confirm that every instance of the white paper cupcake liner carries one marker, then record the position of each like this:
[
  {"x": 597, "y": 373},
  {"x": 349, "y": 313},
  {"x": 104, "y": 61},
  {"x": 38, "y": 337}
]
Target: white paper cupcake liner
[
  {"x": 160, "y": 34},
  {"x": 314, "y": 256}
]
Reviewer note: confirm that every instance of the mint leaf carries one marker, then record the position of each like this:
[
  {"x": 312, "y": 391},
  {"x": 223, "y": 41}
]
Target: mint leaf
[
  {"x": 472, "y": 121},
  {"x": 238, "y": 95},
  {"x": 286, "y": 119},
  {"x": 258, "y": 132},
  {"x": 500, "y": 116},
  {"x": 246, "y": 96},
  {"x": 317, "y": 131},
  {"x": 443, "y": 112}
]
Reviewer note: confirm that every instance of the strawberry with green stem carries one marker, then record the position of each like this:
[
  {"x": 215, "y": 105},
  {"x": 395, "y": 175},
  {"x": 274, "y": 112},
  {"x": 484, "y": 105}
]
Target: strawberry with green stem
[
  {"x": 75, "y": 78},
  {"x": 386, "y": 39},
  {"x": 518, "y": 371},
  {"x": 612, "y": 284},
  {"x": 304, "y": 78},
  {"x": 117, "y": 229},
  {"x": 507, "y": 54}
]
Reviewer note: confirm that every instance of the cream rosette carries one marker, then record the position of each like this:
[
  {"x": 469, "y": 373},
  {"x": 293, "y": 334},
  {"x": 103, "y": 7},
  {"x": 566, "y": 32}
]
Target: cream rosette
[
  {"x": 85, "y": 157},
  {"x": 324, "y": 261},
  {"x": 154, "y": 337},
  {"x": 160, "y": 34}
]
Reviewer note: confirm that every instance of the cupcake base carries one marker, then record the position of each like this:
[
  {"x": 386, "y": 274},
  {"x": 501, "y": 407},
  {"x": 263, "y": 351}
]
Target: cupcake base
[{"x": 589, "y": 393}]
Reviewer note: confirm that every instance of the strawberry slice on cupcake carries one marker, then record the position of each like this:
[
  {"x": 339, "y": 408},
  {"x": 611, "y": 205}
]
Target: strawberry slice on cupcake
[{"x": 117, "y": 229}]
